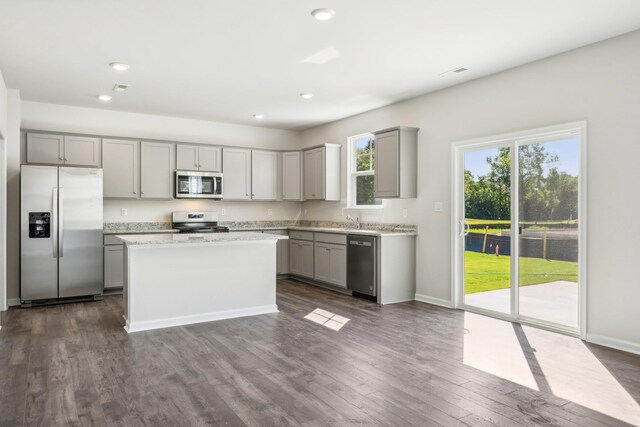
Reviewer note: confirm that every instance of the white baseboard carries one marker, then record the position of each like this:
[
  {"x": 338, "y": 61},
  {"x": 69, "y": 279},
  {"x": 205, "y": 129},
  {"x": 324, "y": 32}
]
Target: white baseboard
[
  {"x": 628, "y": 346},
  {"x": 13, "y": 302},
  {"x": 199, "y": 318},
  {"x": 434, "y": 301}
]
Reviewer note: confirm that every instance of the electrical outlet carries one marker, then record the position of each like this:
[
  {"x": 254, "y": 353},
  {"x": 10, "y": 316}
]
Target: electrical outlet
[
  {"x": 123, "y": 212},
  {"x": 269, "y": 212},
  {"x": 438, "y": 206},
  {"x": 223, "y": 212},
  {"x": 404, "y": 213}
]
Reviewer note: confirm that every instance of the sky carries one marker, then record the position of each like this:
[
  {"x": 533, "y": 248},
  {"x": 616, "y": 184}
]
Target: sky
[{"x": 566, "y": 149}]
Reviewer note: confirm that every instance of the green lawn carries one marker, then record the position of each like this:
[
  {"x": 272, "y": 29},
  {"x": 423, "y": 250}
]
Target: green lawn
[{"x": 485, "y": 272}]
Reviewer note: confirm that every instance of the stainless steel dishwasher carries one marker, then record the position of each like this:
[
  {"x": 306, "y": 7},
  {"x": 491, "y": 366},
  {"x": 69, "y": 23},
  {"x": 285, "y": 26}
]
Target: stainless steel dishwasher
[{"x": 361, "y": 264}]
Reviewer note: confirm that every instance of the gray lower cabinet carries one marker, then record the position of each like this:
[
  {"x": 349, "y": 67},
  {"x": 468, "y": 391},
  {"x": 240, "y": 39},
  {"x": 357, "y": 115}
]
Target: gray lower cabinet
[
  {"x": 282, "y": 251},
  {"x": 113, "y": 263},
  {"x": 331, "y": 263},
  {"x": 301, "y": 258}
]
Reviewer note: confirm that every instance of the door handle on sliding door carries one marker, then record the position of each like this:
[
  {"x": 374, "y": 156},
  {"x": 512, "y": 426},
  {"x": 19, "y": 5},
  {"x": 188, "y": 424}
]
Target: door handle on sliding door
[
  {"x": 464, "y": 227},
  {"x": 54, "y": 223},
  {"x": 61, "y": 224},
  {"x": 467, "y": 227}
]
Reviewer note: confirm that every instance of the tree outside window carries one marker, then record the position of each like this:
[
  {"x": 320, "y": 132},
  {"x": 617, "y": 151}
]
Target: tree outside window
[{"x": 362, "y": 167}]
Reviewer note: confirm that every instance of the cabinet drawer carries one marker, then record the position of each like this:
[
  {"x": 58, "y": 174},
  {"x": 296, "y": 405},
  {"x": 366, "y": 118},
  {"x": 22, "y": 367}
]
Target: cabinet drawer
[
  {"x": 301, "y": 235},
  {"x": 337, "y": 239},
  {"x": 112, "y": 240}
]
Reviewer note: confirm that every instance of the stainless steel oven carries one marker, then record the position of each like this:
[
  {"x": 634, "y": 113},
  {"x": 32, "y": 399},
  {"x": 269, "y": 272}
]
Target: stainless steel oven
[{"x": 198, "y": 185}]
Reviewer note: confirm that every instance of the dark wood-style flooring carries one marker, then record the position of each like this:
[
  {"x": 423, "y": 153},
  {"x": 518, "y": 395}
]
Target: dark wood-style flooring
[{"x": 409, "y": 364}]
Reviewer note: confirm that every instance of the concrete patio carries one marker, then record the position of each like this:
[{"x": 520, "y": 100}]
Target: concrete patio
[{"x": 555, "y": 302}]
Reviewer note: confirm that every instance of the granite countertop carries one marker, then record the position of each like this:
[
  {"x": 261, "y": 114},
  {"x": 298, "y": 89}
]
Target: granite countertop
[
  {"x": 194, "y": 239},
  {"x": 370, "y": 229}
]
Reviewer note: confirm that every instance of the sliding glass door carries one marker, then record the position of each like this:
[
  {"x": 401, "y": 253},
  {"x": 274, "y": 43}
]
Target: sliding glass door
[{"x": 518, "y": 218}]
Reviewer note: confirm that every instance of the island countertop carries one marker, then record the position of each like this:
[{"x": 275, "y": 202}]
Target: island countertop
[{"x": 194, "y": 238}]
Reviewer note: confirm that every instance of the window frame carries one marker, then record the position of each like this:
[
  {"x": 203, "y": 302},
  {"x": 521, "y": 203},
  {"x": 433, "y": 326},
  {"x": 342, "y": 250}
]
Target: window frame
[{"x": 353, "y": 174}]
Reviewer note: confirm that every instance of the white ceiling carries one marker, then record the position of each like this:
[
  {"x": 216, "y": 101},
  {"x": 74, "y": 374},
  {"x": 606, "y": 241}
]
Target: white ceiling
[{"x": 226, "y": 60}]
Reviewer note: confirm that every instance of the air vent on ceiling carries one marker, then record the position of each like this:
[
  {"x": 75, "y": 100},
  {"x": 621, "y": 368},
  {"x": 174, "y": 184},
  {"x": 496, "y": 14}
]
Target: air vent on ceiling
[
  {"x": 457, "y": 70},
  {"x": 120, "y": 87}
]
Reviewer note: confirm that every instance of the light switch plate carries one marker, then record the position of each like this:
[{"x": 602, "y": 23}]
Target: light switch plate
[
  {"x": 123, "y": 212},
  {"x": 223, "y": 212},
  {"x": 269, "y": 212},
  {"x": 404, "y": 213},
  {"x": 438, "y": 206}
]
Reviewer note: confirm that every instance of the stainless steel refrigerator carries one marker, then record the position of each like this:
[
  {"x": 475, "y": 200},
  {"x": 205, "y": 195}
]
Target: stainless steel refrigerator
[{"x": 60, "y": 233}]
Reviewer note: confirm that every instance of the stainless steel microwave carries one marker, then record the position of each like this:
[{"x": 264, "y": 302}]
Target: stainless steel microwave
[{"x": 198, "y": 185}]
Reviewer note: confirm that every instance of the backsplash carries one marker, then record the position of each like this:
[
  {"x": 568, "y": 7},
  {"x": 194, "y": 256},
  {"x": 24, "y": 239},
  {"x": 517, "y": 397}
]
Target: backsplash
[{"x": 129, "y": 227}]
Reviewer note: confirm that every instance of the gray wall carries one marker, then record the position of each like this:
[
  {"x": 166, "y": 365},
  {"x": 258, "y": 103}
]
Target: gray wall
[{"x": 598, "y": 83}]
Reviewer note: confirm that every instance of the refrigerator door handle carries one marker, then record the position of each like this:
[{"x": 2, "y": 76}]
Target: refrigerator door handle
[
  {"x": 61, "y": 221},
  {"x": 54, "y": 222}
]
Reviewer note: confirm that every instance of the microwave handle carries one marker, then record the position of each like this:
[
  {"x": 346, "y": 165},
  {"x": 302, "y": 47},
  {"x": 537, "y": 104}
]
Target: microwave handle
[{"x": 215, "y": 185}]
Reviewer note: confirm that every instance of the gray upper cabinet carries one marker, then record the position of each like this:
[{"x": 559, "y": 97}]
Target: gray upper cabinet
[
  {"x": 210, "y": 159},
  {"x": 186, "y": 157},
  {"x": 82, "y": 151},
  {"x": 63, "y": 150},
  {"x": 292, "y": 175},
  {"x": 264, "y": 175},
  {"x": 236, "y": 184},
  {"x": 396, "y": 167},
  {"x": 120, "y": 161},
  {"x": 198, "y": 158},
  {"x": 43, "y": 148},
  {"x": 156, "y": 170},
  {"x": 322, "y": 173}
]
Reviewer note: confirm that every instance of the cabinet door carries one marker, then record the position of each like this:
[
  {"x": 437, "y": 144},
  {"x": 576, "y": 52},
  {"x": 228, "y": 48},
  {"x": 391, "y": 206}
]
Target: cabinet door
[
  {"x": 319, "y": 171},
  {"x": 186, "y": 157},
  {"x": 264, "y": 175},
  {"x": 387, "y": 151},
  {"x": 121, "y": 168},
  {"x": 210, "y": 159},
  {"x": 295, "y": 247},
  {"x": 42, "y": 148},
  {"x": 82, "y": 151},
  {"x": 156, "y": 170},
  {"x": 113, "y": 266},
  {"x": 338, "y": 265},
  {"x": 283, "y": 256},
  {"x": 306, "y": 259},
  {"x": 236, "y": 182},
  {"x": 291, "y": 176},
  {"x": 322, "y": 262},
  {"x": 309, "y": 176}
]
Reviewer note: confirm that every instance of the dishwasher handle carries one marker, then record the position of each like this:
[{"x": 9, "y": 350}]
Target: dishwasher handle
[{"x": 359, "y": 243}]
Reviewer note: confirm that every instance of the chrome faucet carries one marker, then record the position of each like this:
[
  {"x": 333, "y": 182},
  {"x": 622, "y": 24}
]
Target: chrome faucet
[{"x": 356, "y": 221}]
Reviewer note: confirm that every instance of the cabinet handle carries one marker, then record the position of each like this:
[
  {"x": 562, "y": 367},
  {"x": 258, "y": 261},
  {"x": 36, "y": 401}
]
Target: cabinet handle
[
  {"x": 253, "y": 195},
  {"x": 60, "y": 158},
  {"x": 66, "y": 160},
  {"x": 142, "y": 193},
  {"x": 134, "y": 192}
]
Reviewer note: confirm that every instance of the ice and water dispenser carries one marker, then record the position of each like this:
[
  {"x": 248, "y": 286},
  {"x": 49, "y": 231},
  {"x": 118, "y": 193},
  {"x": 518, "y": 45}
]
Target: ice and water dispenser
[{"x": 39, "y": 225}]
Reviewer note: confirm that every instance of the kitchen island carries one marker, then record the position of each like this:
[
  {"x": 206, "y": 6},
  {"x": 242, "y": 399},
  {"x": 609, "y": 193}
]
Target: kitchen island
[{"x": 180, "y": 279}]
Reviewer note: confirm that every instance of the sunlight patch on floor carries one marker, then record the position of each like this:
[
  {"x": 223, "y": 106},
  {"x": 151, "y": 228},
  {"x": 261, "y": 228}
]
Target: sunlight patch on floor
[
  {"x": 326, "y": 318},
  {"x": 546, "y": 361}
]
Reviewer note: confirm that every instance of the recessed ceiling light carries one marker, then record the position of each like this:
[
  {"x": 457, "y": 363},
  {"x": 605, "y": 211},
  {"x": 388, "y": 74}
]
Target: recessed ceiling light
[
  {"x": 323, "y": 14},
  {"x": 104, "y": 98},
  {"x": 119, "y": 66},
  {"x": 258, "y": 116},
  {"x": 306, "y": 95}
]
